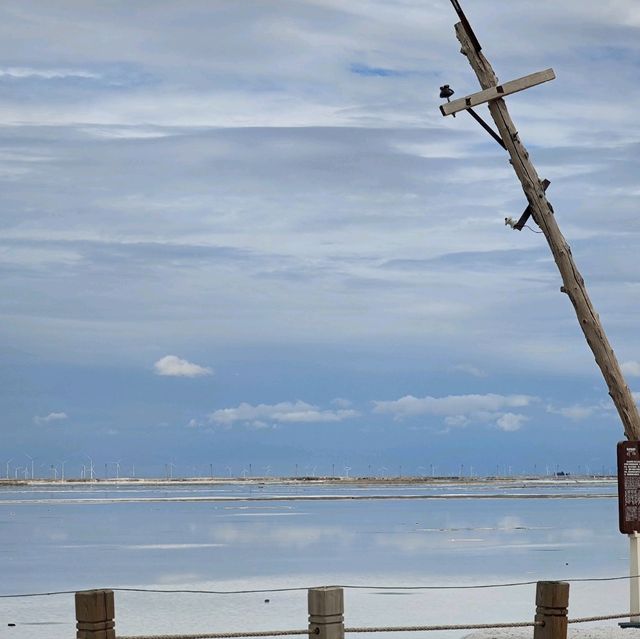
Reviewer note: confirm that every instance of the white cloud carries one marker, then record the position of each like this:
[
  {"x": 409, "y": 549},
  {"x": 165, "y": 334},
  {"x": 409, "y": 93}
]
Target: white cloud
[
  {"x": 284, "y": 412},
  {"x": 451, "y": 405},
  {"x": 172, "y": 366},
  {"x": 631, "y": 368},
  {"x": 576, "y": 412},
  {"x": 456, "y": 420},
  {"x": 469, "y": 369},
  {"x": 510, "y": 422},
  {"x": 461, "y": 410},
  {"x": 45, "y": 74},
  {"x": 51, "y": 417}
]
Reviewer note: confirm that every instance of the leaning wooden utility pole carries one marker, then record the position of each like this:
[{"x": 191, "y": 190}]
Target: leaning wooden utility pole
[{"x": 541, "y": 211}]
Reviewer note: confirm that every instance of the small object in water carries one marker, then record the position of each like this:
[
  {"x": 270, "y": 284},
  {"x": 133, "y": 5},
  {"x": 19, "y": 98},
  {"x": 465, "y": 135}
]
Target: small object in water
[
  {"x": 11, "y": 625},
  {"x": 266, "y": 601}
]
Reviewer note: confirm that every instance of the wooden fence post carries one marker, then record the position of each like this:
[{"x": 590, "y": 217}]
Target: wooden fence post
[
  {"x": 326, "y": 612},
  {"x": 552, "y": 601},
  {"x": 95, "y": 614}
]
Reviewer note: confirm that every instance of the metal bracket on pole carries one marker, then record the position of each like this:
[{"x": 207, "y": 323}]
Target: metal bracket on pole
[
  {"x": 467, "y": 26},
  {"x": 486, "y": 127},
  {"x": 519, "y": 225}
]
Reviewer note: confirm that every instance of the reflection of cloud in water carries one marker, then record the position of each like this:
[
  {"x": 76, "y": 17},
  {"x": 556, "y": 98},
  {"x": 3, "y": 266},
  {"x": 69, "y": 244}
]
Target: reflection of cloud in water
[
  {"x": 417, "y": 542},
  {"x": 143, "y": 546},
  {"x": 258, "y": 507},
  {"x": 509, "y": 523},
  {"x": 577, "y": 534},
  {"x": 52, "y": 535},
  {"x": 299, "y": 536},
  {"x": 262, "y": 514},
  {"x": 484, "y": 528},
  {"x": 170, "y": 546}
]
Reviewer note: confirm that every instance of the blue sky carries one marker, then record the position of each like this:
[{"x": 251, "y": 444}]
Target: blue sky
[{"x": 242, "y": 233}]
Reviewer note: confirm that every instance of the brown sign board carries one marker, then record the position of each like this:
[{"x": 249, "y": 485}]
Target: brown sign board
[{"x": 629, "y": 486}]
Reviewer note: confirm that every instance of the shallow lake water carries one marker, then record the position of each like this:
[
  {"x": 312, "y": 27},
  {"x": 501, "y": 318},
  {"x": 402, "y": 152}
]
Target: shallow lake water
[{"x": 74, "y": 538}]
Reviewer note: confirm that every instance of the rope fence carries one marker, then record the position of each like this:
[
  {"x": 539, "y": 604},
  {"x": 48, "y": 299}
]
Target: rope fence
[
  {"x": 509, "y": 584},
  {"x": 625, "y": 615},
  {"x": 95, "y": 616},
  {"x": 365, "y": 629},
  {"x": 226, "y": 635},
  {"x": 279, "y": 633},
  {"x": 467, "y": 626},
  {"x": 370, "y": 629}
]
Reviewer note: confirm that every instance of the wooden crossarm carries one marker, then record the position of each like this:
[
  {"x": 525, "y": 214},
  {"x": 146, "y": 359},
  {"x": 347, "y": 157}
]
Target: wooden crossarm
[{"x": 498, "y": 91}]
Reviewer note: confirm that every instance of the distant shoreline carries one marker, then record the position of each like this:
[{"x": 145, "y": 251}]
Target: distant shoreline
[
  {"x": 316, "y": 481},
  {"x": 533, "y": 489}
]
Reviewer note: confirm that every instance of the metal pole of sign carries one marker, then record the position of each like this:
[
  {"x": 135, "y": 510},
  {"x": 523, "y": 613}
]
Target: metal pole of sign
[{"x": 634, "y": 582}]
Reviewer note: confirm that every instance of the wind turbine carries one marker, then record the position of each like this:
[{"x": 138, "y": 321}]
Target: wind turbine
[
  {"x": 62, "y": 463},
  {"x": 90, "y": 468},
  {"x": 31, "y": 458}
]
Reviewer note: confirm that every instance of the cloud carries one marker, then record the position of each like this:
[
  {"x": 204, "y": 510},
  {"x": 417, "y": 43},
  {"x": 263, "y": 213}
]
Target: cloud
[
  {"x": 45, "y": 74},
  {"x": 172, "y": 366},
  {"x": 470, "y": 369},
  {"x": 284, "y": 412},
  {"x": 363, "y": 69},
  {"x": 312, "y": 229},
  {"x": 631, "y": 368},
  {"x": 510, "y": 422},
  {"x": 575, "y": 412},
  {"x": 451, "y": 405},
  {"x": 460, "y": 410},
  {"x": 51, "y": 417}
]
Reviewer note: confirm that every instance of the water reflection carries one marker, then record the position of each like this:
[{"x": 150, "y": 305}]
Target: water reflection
[{"x": 48, "y": 545}]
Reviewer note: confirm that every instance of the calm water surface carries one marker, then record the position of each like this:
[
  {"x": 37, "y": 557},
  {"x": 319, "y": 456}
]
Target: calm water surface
[{"x": 78, "y": 538}]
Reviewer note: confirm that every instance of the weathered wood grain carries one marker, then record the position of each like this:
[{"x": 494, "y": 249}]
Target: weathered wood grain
[
  {"x": 573, "y": 283},
  {"x": 498, "y": 91}
]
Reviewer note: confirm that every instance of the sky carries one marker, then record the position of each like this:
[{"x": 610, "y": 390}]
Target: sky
[{"x": 240, "y": 238}]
